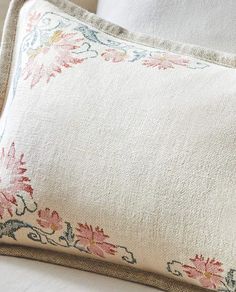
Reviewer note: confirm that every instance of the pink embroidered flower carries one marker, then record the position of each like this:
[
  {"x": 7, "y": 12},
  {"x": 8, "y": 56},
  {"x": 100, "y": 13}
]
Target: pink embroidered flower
[
  {"x": 12, "y": 180},
  {"x": 165, "y": 61},
  {"x": 49, "y": 220},
  {"x": 33, "y": 20},
  {"x": 51, "y": 56},
  {"x": 7, "y": 203},
  {"x": 207, "y": 272},
  {"x": 95, "y": 240},
  {"x": 114, "y": 55}
]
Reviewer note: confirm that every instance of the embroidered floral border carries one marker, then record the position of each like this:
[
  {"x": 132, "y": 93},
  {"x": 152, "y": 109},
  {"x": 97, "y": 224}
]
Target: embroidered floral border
[
  {"x": 16, "y": 199},
  {"x": 206, "y": 272},
  {"x": 54, "y": 42}
]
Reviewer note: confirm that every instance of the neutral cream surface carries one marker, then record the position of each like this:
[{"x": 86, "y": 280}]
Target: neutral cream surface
[{"x": 118, "y": 151}]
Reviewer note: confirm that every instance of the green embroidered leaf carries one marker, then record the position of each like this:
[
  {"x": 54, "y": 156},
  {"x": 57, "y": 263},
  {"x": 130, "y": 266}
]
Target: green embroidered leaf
[
  {"x": 230, "y": 282},
  {"x": 69, "y": 235},
  {"x": 93, "y": 36},
  {"x": 10, "y": 227},
  {"x": 137, "y": 55}
]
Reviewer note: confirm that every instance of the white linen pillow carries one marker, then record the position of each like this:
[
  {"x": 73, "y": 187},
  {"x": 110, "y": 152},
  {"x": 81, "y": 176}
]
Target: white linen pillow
[
  {"x": 207, "y": 23},
  {"x": 117, "y": 154}
]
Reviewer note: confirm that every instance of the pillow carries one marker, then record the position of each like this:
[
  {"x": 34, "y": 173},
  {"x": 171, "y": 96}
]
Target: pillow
[
  {"x": 208, "y": 23},
  {"x": 117, "y": 152}
]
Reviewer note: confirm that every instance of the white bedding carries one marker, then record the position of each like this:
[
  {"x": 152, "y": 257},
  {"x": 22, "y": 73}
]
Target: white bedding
[{"x": 20, "y": 275}]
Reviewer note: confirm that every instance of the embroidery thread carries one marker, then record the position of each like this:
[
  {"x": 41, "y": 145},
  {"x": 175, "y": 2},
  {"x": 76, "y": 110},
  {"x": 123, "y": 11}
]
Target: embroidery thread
[
  {"x": 16, "y": 198},
  {"x": 55, "y": 42},
  {"x": 16, "y": 192},
  {"x": 207, "y": 273}
]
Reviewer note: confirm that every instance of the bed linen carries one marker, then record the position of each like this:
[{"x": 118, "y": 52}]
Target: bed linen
[{"x": 18, "y": 275}]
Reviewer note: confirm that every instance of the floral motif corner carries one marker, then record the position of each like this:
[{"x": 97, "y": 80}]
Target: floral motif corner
[
  {"x": 54, "y": 43},
  {"x": 16, "y": 199},
  {"x": 205, "y": 272}
]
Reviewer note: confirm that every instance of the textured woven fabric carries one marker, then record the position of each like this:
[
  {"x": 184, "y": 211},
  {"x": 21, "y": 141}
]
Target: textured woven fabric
[
  {"x": 207, "y": 23},
  {"x": 3, "y": 10},
  {"x": 115, "y": 150}
]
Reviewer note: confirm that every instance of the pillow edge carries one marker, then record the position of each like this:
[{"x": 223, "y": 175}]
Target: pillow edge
[
  {"x": 7, "y": 47},
  {"x": 99, "y": 267},
  {"x": 212, "y": 56}
]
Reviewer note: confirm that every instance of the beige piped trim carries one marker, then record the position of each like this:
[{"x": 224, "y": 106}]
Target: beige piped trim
[
  {"x": 7, "y": 47},
  {"x": 100, "y": 267},
  {"x": 212, "y": 56}
]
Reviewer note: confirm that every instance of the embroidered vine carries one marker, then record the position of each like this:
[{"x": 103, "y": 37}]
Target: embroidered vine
[
  {"x": 16, "y": 198},
  {"x": 207, "y": 273},
  {"x": 55, "y": 42}
]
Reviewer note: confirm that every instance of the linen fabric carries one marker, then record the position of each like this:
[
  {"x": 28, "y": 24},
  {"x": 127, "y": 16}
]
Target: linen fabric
[
  {"x": 117, "y": 150},
  {"x": 3, "y": 10},
  {"x": 207, "y": 23}
]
